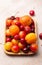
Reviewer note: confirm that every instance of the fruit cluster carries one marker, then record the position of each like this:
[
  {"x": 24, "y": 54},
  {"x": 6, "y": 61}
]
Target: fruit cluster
[{"x": 20, "y": 35}]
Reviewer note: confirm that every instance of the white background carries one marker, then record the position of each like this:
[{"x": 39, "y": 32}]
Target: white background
[{"x": 19, "y": 8}]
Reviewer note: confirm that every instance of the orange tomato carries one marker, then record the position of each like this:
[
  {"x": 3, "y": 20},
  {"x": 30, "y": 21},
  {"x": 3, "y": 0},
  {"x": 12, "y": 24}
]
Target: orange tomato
[
  {"x": 25, "y": 20},
  {"x": 14, "y": 30}
]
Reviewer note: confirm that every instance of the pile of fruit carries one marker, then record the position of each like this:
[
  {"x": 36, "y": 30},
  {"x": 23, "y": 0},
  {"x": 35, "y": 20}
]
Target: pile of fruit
[{"x": 20, "y": 35}]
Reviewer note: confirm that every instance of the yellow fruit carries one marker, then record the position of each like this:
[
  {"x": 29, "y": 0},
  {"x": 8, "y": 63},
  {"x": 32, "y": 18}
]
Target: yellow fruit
[
  {"x": 8, "y": 46},
  {"x": 14, "y": 42},
  {"x": 31, "y": 38},
  {"x": 14, "y": 30},
  {"x": 25, "y": 20},
  {"x": 7, "y": 32}
]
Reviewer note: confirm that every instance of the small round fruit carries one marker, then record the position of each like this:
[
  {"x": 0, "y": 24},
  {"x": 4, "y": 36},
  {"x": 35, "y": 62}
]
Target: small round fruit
[
  {"x": 22, "y": 40},
  {"x": 8, "y": 22},
  {"x": 22, "y": 34},
  {"x": 28, "y": 46},
  {"x": 25, "y": 50},
  {"x": 40, "y": 36},
  {"x": 25, "y": 20},
  {"x": 8, "y": 46},
  {"x": 14, "y": 30},
  {"x": 15, "y": 49},
  {"x": 21, "y": 46},
  {"x": 32, "y": 13},
  {"x": 18, "y": 23},
  {"x": 16, "y": 37},
  {"x": 27, "y": 29},
  {"x": 12, "y": 17},
  {"x": 17, "y": 18},
  {"x": 34, "y": 47},
  {"x": 14, "y": 42},
  {"x": 7, "y": 32},
  {"x": 21, "y": 27},
  {"x": 31, "y": 38},
  {"x": 8, "y": 39}
]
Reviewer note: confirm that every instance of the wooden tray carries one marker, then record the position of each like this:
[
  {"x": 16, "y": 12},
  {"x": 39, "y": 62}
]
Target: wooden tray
[{"x": 21, "y": 53}]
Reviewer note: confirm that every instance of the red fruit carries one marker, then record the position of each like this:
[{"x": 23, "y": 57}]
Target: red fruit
[
  {"x": 12, "y": 17},
  {"x": 34, "y": 47},
  {"x": 22, "y": 40},
  {"x": 40, "y": 36},
  {"x": 15, "y": 48},
  {"x": 25, "y": 50},
  {"x": 27, "y": 29},
  {"x": 16, "y": 37},
  {"x": 22, "y": 34},
  {"x": 18, "y": 23},
  {"x": 32, "y": 13},
  {"x": 8, "y": 39},
  {"x": 21, "y": 27},
  {"x": 17, "y": 18}
]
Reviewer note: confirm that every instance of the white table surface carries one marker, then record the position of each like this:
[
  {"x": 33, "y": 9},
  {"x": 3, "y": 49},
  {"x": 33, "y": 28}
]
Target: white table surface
[{"x": 21, "y": 7}]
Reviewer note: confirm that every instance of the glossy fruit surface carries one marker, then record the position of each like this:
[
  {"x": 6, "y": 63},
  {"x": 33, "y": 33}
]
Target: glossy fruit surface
[
  {"x": 25, "y": 20},
  {"x": 25, "y": 49},
  {"x": 14, "y": 29},
  {"x": 8, "y": 39},
  {"x": 16, "y": 37},
  {"x": 27, "y": 29},
  {"x": 21, "y": 27},
  {"x": 22, "y": 34},
  {"x": 40, "y": 36},
  {"x": 31, "y": 38},
  {"x": 18, "y": 24},
  {"x": 22, "y": 40},
  {"x": 8, "y": 46},
  {"x": 32, "y": 13},
  {"x": 34, "y": 47},
  {"x": 15, "y": 48},
  {"x": 14, "y": 42}
]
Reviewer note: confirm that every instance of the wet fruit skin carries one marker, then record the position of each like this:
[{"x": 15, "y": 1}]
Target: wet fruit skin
[
  {"x": 34, "y": 47},
  {"x": 8, "y": 46},
  {"x": 32, "y": 13},
  {"x": 22, "y": 34},
  {"x": 14, "y": 30},
  {"x": 14, "y": 42},
  {"x": 31, "y": 38},
  {"x": 15, "y": 48},
  {"x": 40, "y": 36},
  {"x": 25, "y": 20}
]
